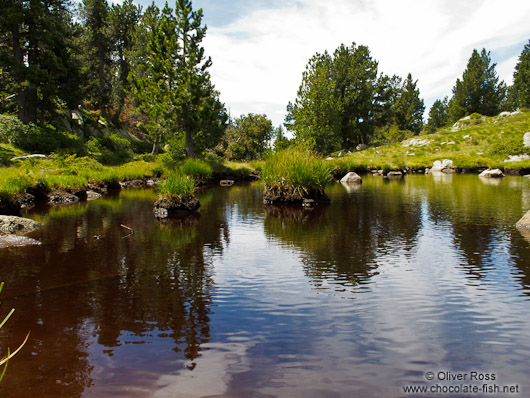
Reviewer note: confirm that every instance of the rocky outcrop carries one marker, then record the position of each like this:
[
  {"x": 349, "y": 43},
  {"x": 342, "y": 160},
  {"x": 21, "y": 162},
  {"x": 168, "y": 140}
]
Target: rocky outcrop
[
  {"x": 166, "y": 206},
  {"x": 491, "y": 173},
  {"x": 287, "y": 194},
  {"x": 13, "y": 224},
  {"x": 526, "y": 140},
  {"x": 351, "y": 178},
  {"x": 443, "y": 166}
]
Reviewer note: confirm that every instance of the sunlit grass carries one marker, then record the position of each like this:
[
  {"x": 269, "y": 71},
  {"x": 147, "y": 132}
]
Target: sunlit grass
[
  {"x": 196, "y": 169},
  {"x": 484, "y": 144},
  {"x": 178, "y": 186},
  {"x": 297, "y": 168}
]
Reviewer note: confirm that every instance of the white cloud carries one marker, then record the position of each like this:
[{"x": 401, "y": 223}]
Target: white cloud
[{"x": 258, "y": 59}]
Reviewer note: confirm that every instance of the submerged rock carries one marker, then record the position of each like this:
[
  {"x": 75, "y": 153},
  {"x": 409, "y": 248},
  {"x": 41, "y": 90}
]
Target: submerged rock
[
  {"x": 12, "y": 224},
  {"x": 226, "y": 183},
  {"x": 165, "y": 206},
  {"x": 524, "y": 222},
  {"x": 395, "y": 174},
  {"x": 351, "y": 178},
  {"x": 16, "y": 241},
  {"x": 492, "y": 173}
]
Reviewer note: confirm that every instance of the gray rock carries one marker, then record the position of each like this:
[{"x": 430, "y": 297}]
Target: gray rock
[
  {"x": 524, "y": 222},
  {"x": 445, "y": 164},
  {"x": 526, "y": 140},
  {"x": 517, "y": 158},
  {"x": 351, "y": 177},
  {"x": 505, "y": 114},
  {"x": 37, "y": 155},
  {"x": 492, "y": 173},
  {"x": 12, "y": 224},
  {"x": 226, "y": 183},
  {"x": 361, "y": 147},
  {"x": 395, "y": 174},
  {"x": 16, "y": 241},
  {"x": 91, "y": 195}
]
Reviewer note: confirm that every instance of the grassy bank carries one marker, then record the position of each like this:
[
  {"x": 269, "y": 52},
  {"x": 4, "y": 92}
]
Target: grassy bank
[
  {"x": 476, "y": 142},
  {"x": 63, "y": 173}
]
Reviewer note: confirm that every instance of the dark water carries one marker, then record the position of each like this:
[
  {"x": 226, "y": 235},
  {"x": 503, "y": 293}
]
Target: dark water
[{"x": 358, "y": 299}]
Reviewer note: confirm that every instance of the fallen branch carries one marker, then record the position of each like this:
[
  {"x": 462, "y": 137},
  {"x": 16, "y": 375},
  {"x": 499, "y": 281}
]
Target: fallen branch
[{"x": 126, "y": 227}]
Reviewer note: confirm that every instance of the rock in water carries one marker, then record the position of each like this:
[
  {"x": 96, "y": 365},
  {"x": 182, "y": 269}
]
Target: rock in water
[
  {"x": 164, "y": 206},
  {"x": 489, "y": 173},
  {"x": 524, "y": 222},
  {"x": 12, "y": 224},
  {"x": 351, "y": 177}
]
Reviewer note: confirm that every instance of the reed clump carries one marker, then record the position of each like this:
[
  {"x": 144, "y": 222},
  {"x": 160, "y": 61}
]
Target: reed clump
[{"x": 294, "y": 175}]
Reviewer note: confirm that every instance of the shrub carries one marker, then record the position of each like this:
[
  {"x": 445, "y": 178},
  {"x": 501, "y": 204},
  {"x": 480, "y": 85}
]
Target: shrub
[
  {"x": 33, "y": 138},
  {"x": 298, "y": 168},
  {"x": 196, "y": 168},
  {"x": 177, "y": 186},
  {"x": 110, "y": 149}
]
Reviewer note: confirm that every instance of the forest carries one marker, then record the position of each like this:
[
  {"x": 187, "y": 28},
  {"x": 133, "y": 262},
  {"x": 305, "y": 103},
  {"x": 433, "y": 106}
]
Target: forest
[{"x": 119, "y": 82}]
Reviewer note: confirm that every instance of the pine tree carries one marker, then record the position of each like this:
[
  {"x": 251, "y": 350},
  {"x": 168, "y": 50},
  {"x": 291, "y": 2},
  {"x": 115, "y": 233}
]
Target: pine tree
[
  {"x": 521, "y": 79},
  {"x": 479, "y": 90},
  {"x": 171, "y": 80},
  {"x": 438, "y": 115},
  {"x": 35, "y": 54},
  {"x": 409, "y": 107},
  {"x": 97, "y": 54},
  {"x": 315, "y": 115},
  {"x": 123, "y": 21}
]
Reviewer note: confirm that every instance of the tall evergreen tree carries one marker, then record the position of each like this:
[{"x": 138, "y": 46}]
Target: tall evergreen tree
[
  {"x": 409, "y": 107},
  {"x": 355, "y": 75},
  {"x": 315, "y": 115},
  {"x": 521, "y": 79},
  {"x": 479, "y": 90},
  {"x": 123, "y": 20},
  {"x": 438, "y": 115},
  {"x": 97, "y": 54},
  {"x": 35, "y": 54},
  {"x": 171, "y": 79}
]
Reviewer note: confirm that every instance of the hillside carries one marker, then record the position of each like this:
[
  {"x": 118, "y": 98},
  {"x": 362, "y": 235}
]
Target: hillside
[{"x": 473, "y": 142}]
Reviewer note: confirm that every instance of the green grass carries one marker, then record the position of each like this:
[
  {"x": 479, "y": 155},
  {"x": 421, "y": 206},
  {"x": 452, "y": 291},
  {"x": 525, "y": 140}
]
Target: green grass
[
  {"x": 196, "y": 169},
  {"x": 484, "y": 144},
  {"x": 178, "y": 186},
  {"x": 297, "y": 168}
]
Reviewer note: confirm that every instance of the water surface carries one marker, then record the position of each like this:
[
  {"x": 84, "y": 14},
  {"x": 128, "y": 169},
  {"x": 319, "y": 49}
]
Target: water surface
[{"x": 357, "y": 299}]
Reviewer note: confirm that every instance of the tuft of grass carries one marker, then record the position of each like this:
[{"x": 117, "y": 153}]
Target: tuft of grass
[
  {"x": 298, "y": 168},
  {"x": 178, "y": 186},
  {"x": 196, "y": 169}
]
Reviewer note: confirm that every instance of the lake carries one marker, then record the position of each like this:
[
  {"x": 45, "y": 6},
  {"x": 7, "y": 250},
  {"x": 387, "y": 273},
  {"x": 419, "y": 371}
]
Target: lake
[{"x": 419, "y": 282}]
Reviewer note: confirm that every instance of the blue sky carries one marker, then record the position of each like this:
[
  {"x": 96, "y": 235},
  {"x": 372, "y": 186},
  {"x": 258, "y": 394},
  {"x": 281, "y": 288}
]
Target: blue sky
[{"x": 260, "y": 48}]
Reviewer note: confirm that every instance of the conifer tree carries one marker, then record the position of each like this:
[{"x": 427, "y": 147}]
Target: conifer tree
[
  {"x": 35, "y": 55},
  {"x": 521, "y": 79},
  {"x": 171, "y": 79},
  {"x": 97, "y": 54},
  {"x": 409, "y": 107},
  {"x": 479, "y": 90}
]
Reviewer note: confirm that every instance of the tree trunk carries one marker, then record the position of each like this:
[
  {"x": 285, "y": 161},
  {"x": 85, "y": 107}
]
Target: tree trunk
[
  {"x": 27, "y": 104},
  {"x": 189, "y": 144},
  {"x": 156, "y": 145}
]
